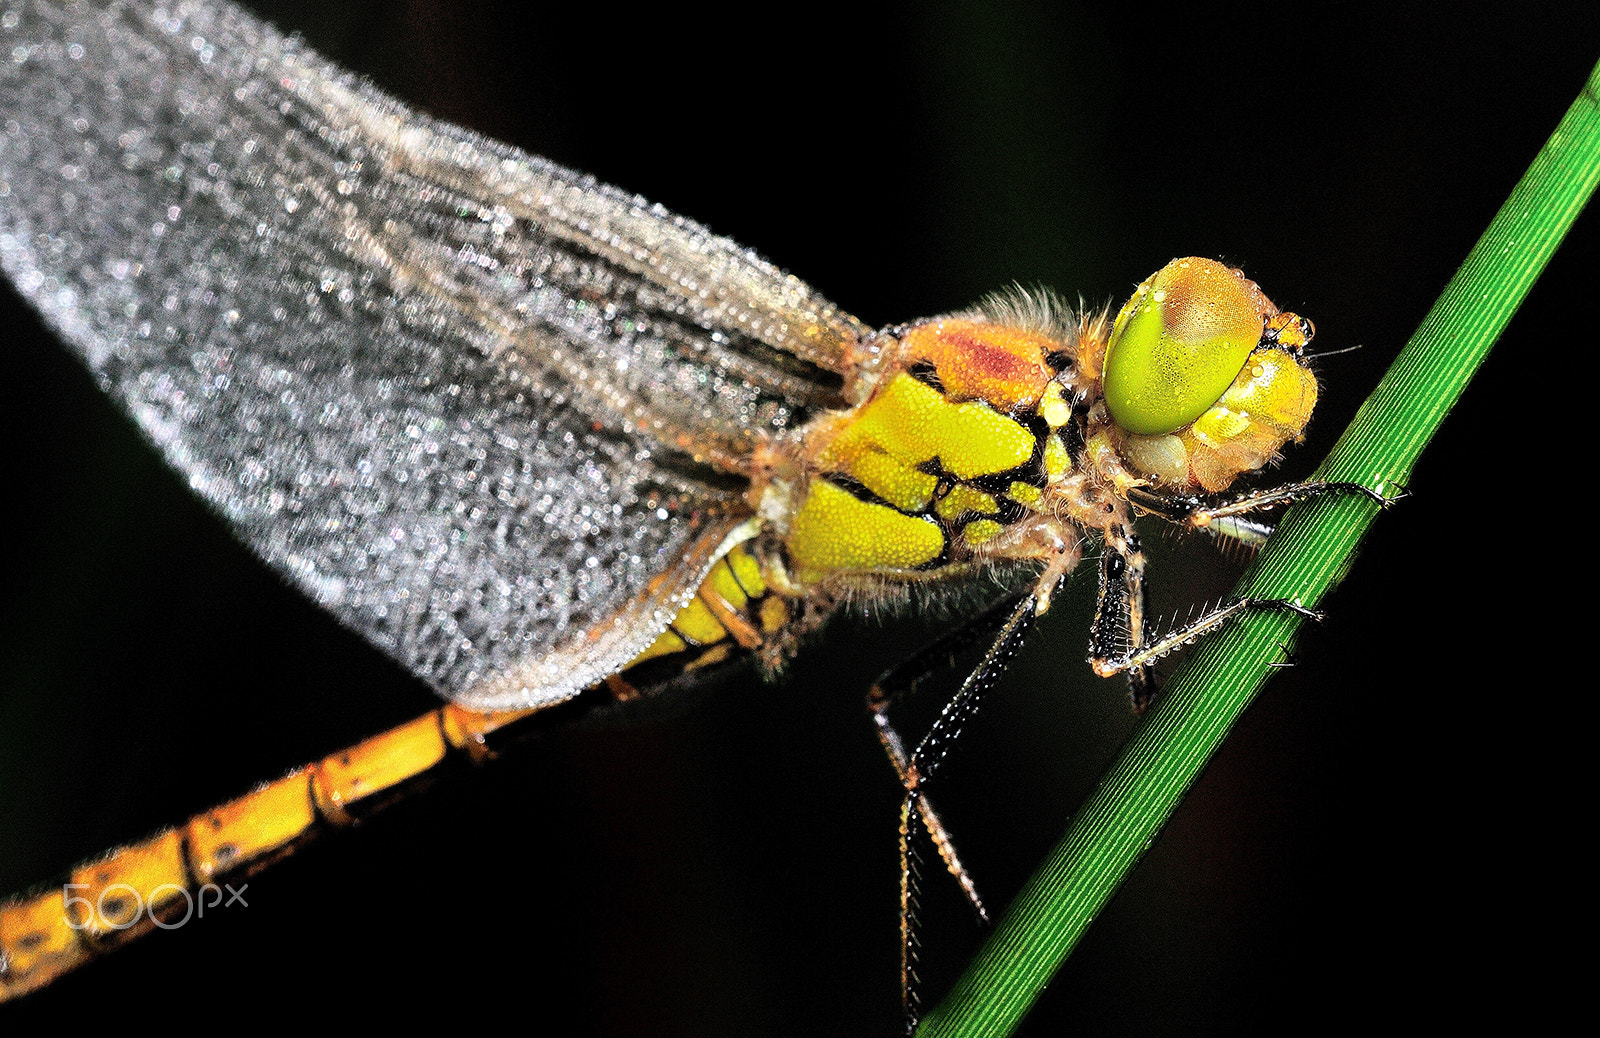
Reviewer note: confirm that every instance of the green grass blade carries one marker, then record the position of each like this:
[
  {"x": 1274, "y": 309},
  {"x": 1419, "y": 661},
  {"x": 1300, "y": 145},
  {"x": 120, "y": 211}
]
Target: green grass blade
[{"x": 1304, "y": 560}]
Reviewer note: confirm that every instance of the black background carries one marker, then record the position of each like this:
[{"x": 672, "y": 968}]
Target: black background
[{"x": 1384, "y": 836}]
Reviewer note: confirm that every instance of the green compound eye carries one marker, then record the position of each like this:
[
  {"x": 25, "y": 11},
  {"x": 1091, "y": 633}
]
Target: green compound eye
[{"x": 1179, "y": 343}]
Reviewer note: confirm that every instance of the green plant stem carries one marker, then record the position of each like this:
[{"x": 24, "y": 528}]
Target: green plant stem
[{"x": 1303, "y": 561}]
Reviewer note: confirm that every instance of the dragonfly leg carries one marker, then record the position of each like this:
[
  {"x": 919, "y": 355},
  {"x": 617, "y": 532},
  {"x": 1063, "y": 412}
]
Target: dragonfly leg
[
  {"x": 1107, "y": 662},
  {"x": 1229, "y": 517},
  {"x": 900, "y": 681},
  {"x": 1121, "y": 629},
  {"x": 1120, "y": 641},
  {"x": 1008, "y": 620}
]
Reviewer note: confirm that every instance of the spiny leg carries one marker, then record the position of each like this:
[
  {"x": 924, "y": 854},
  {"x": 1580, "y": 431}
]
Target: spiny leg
[
  {"x": 912, "y": 814},
  {"x": 1010, "y": 618},
  {"x": 1138, "y": 659},
  {"x": 1225, "y": 516},
  {"x": 903, "y": 679},
  {"x": 1120, "y": 627},
  {"x": 1120, "y": 642},
  {"x": 946, "y": 729}
]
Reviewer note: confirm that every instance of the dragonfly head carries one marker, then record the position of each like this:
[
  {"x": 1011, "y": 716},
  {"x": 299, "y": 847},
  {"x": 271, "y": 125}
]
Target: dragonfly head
[{"x": 1203, "y": 377}]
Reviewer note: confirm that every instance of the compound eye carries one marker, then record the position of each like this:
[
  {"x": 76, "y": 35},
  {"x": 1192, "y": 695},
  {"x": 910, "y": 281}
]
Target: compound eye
[{"x": 1179, "y": 343}]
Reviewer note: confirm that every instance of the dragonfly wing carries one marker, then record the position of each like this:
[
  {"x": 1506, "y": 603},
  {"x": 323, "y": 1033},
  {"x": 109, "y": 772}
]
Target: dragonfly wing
[{"x": 491, "y": 414}]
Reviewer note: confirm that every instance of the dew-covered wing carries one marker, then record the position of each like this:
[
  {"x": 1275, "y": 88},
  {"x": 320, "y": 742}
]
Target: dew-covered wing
[{"x": 490, "y": 413}]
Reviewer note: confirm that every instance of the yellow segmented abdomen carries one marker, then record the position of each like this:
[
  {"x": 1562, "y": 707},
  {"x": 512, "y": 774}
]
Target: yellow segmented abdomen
[{"x": 734, "y": 608}]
